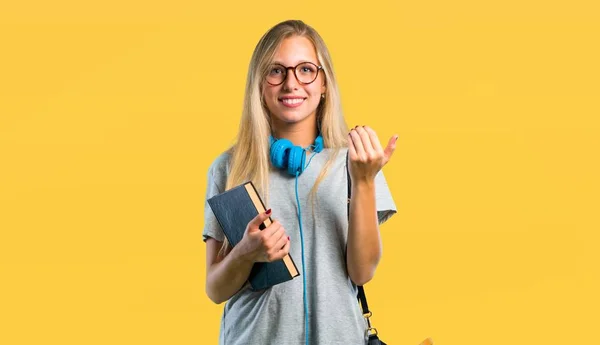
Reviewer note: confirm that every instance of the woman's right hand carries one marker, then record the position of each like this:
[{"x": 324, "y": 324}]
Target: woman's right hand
[{"x": 266, "y": 245}]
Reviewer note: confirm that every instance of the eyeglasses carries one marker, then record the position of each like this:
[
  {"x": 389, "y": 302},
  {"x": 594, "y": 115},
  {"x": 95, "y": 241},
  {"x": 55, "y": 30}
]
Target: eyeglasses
[{"x": 305, "y": 72}]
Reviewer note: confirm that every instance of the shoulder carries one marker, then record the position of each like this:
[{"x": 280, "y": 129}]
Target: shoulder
[{"x": 219, "y": 168}]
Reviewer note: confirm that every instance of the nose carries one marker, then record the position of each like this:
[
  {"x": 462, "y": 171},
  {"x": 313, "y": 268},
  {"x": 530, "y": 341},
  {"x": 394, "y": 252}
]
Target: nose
[{"x": 290, "y": 81}]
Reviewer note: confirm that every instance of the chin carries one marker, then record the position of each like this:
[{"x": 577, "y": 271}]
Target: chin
[
  {"x": 290, "y": 120},
  {"x": 290, "y": 117}
]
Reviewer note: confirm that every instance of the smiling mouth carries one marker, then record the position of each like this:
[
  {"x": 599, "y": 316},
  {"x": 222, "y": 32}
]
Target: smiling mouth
[{"x": 292, "y": 101}]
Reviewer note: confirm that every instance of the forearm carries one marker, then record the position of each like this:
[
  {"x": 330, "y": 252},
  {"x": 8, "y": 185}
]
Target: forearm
[
  {"x": 227, "y": 276},
  {"x": 364, "y": 242}
]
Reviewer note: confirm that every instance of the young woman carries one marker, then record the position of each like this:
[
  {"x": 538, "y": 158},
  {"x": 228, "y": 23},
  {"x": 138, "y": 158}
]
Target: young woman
[{"x": 292, "y": 93}]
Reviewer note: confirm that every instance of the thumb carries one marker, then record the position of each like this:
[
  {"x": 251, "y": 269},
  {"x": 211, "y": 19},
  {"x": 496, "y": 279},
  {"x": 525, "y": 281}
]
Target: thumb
[
  {"x": 389, "y": 149},
  {"x": 260, "y": 218}
]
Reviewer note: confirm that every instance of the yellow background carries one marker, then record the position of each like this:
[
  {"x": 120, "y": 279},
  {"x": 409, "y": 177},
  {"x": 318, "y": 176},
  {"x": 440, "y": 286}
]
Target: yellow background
[{"x": 111, "y": 112}]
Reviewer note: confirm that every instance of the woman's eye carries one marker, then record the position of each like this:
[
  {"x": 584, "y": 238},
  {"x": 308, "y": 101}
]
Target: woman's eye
[{"x": 275, "y": 70}]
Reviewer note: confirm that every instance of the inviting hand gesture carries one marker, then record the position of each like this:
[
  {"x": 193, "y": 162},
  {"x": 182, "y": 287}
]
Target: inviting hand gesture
[{"x": 366, "y": 157}]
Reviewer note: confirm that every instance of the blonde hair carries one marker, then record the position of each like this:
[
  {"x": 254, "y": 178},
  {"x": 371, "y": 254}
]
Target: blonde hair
[{"x": 250, "y": 153}]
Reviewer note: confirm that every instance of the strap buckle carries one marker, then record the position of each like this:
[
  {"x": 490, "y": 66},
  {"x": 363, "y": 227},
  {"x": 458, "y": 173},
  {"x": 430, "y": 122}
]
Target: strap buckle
[
  {"x": 370, "y": 331},
  {"x": 368, "y": 317}
]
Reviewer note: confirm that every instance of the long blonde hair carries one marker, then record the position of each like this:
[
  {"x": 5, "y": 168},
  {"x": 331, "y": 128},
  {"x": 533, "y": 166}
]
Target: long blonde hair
[{"x": 250, "y": 154}]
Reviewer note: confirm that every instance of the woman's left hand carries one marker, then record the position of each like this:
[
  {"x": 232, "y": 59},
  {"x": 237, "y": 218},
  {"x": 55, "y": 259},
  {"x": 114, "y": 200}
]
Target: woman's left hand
[{"x": 366, "y": 157}]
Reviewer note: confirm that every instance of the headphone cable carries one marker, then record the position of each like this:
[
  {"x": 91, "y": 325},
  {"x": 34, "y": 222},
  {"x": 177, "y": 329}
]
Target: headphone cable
[{"x": 304, "y": 297}]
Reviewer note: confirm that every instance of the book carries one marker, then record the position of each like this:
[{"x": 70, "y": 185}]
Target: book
[{"x": 234, "y": 209}]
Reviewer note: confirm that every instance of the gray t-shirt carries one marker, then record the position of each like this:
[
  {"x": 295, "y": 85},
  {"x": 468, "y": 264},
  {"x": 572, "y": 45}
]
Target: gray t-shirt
[{"x": 276, "y": 315}]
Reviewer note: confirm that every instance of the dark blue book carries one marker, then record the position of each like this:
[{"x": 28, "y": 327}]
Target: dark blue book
[{"x": 234, "y": 209}]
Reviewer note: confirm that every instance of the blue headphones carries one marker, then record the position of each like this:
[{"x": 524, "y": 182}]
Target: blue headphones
[{"x": 286, "y": 155}]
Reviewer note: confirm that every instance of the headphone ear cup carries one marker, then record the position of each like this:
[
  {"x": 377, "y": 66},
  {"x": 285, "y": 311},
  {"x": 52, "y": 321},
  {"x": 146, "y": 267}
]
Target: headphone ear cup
[
  {"x": 279, "y": 152},
  {"x": 296, "y": 159},
  {"x": 285, "y": 155}
]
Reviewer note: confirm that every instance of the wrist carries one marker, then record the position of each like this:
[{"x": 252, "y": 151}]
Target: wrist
[
  {"x": 363, "y": 183},
  {"x": 241, "y": 255}
]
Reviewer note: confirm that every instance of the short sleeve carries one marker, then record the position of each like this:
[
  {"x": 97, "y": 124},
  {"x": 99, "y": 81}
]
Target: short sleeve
[
  {"x": 383, "y": 199},
  {"x": 215, "y": 185}
]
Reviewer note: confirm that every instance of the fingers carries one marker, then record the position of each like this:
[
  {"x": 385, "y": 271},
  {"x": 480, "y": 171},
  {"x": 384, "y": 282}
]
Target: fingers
[
  {"x": 273, "y": 233},
  {"x": 259, "y": 219},
  {"x": 276, "y": 242},
  {"x": 365, "y": 139},
  {"x": 351, "y": 147},
  {"x": 358, "y": 145},
  {"x": 270, "y": 244},
  {"x": 277, "y": 246},
  {"x": 374, "y": 139},
  {"x": 366, "y": 144},
  {"x": 271, "y": 230},
  {"x": 280, "y": 254},
  {"x": 364, "y": 147}
]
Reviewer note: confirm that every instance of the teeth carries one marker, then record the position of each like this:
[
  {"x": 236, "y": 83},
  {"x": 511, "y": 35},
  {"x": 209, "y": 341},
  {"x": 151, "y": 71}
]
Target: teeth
[{"x": 292, "y": 100}]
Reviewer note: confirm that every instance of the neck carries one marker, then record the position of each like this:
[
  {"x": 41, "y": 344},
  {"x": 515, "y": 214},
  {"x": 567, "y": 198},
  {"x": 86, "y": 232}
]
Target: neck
[{"x": 300, "y": 133}]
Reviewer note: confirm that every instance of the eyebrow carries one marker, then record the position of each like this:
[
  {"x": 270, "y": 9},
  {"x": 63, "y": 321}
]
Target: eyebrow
[{"x": 302, "y": 61}]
